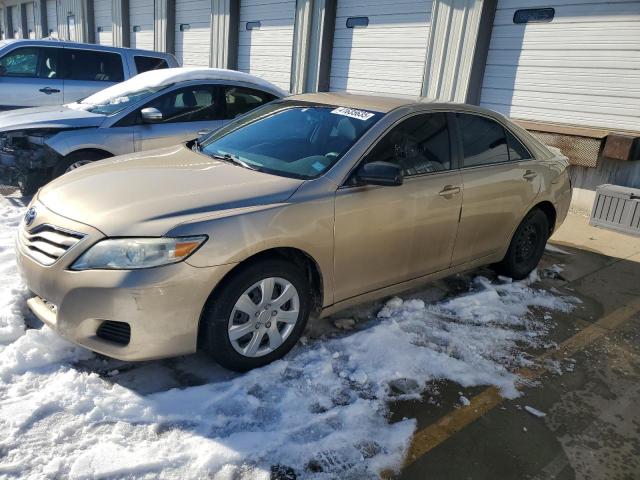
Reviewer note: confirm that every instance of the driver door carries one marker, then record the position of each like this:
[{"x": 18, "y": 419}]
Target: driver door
[
  {"x": 185, "y": 112},
  {"x": 388, "y": 235}
]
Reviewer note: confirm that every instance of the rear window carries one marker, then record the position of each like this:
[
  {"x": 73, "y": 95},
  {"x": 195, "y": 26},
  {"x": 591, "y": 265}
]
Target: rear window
[
  {"x": 144, "y": 64},
  {"x": 90, "y": 65}
]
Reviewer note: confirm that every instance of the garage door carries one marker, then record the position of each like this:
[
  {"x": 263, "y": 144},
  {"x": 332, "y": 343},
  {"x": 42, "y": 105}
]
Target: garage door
[
  {"x": 103, "y": 22},
  {"x": 193, "y": 32},
  {"x": 16, "y": 21},
  {"x": 52, "y": 18},
  {"x": 265, "y": 40},
  {"x": 141, "y": 21},
  {"x": 580, "y": 66},
  {"x": 380, "y": 47},
  {"x": 31, "y": 20}
]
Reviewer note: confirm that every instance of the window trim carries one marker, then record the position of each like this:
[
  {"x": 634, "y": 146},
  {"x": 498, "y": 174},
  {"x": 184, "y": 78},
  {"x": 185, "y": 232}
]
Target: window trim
[
  {"x": 453, "y": 146},
  {"x": 504, "y": 128}
]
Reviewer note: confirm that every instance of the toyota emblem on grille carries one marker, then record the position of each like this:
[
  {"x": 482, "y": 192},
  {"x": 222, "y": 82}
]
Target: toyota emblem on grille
[{"x": 30, "y": 216}]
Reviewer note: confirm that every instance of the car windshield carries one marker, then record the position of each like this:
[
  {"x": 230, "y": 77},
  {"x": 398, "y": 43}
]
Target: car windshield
[
  {"x": 109, "y": 105},
  {"x": 292, "y": 139}
]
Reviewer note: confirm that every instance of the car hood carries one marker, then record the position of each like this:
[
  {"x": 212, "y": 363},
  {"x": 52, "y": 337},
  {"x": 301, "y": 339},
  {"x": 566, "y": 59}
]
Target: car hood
[
  {"x": 48, "y": 117},
  {"x": 148, "y": 193}
]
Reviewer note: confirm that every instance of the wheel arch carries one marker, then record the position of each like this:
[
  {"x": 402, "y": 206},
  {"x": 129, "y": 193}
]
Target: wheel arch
[
  {"x": 549, "y": 210},
  {"x": 294, "y": 255},
  {"x": 97, "y": 151}
]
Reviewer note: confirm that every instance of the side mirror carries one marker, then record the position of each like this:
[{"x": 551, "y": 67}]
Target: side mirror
[
  {"x": 151, "y": 115},
  {"x": 380, "y": 173}
]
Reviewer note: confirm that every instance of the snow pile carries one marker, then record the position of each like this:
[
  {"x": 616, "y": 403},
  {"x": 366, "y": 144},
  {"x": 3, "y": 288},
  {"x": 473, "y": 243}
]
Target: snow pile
[
  {"x": 168, "y": 76},
  {"x": 321, "y": 412}
]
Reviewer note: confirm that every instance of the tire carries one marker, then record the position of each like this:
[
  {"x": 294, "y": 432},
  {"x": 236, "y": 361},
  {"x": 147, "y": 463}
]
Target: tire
[
  {"x": 526, "y": 247},
  {"x": 66, "y": 163},
  {"x": 252, "y": 325},
  {"x": 30, "y": 182}
]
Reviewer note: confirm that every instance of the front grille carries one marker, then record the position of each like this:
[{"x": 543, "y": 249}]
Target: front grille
[
  {"x": 116, "y": 332},
  {"x": 46, "y": 243}
]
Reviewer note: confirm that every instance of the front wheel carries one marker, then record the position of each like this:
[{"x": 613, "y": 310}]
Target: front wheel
[
  {"x": 76, "y": 160},
  {"x": 257, "y": 315},
  {"x": 526, "y": 247}
]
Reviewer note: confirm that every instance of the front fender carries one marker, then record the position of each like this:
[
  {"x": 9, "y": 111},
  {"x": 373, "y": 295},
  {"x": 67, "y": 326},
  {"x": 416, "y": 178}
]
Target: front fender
[{"x": 111, "y": 141}]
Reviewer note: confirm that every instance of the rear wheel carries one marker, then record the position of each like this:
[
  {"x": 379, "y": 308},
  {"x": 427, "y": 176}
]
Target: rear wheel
[
  {"x": 76, "y": 160},
  {"x": 527, "y": 246},
  {"x": 257, "y": 315}
]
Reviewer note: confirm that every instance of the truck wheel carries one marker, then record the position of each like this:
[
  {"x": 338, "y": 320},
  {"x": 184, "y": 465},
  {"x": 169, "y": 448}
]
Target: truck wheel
[
  {"x": 75, "y": 160},
  {"x": 526, "y": 247},
  {"x": 257, "y": 315}
]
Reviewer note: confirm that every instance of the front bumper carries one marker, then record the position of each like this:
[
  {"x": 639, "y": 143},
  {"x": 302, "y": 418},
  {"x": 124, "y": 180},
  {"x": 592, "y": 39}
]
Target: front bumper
[{"x": 161, "y": 305}]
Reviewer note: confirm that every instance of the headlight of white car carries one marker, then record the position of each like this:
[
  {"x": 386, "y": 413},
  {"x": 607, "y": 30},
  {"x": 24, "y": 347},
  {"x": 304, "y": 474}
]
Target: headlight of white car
[{"x": 135, "y": 253}]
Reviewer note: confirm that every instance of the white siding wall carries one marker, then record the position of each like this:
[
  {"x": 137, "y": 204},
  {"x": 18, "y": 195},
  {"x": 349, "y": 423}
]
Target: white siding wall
[
  {"x": 103, "y": 20},
  {"x": 388, "y": 56},
  {"x": 31, "y": 20},
  {"x": 141, "y": 15},
  {"x": 267, "y": 51},
  {"x": 193, "y": 46},
  {"x": 52, "y": 19},
  {"x": 583, "y": 68}
]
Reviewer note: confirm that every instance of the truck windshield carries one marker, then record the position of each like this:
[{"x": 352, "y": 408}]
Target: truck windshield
[{"x": 292, "y": 139}]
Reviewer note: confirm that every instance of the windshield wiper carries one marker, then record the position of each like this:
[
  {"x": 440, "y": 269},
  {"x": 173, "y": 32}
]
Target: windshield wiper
[
  {"x": 195, "y": 146},
  {"x": 232, "y": 159}
]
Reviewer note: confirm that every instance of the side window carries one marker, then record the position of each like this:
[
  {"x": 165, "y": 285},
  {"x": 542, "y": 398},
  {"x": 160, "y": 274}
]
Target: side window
[
  {"x": 90, "y": 65},
  {"x": 517, "y": 151},
  {"x": 421, "y": 144},
  {"x": 21, "y": 62},
  {"x": 240, "y": 100},
  {"x": 483, "y": 140},
  {"x": 190, "y": 104},
  {"x": 144, "y": 64}
]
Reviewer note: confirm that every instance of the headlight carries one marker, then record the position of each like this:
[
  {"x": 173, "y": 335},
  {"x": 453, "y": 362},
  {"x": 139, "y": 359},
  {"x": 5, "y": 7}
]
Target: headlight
[{"x": 134, "y": 253}]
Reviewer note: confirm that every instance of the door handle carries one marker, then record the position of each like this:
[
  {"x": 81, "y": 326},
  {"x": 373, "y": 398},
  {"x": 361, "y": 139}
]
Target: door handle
[
  {"x": 449, "y": 190},
  {"x": 529, "y": 175},
  {"x": 49, "y": 90}
]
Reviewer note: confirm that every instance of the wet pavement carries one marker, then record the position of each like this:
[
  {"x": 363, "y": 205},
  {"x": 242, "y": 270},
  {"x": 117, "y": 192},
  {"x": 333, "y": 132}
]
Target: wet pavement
[{"x": 579, "y": 419}]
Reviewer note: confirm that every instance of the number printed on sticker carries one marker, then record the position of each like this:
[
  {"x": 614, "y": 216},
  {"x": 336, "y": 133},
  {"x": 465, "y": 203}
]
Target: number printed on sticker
[{"x": 353, "y": 113}]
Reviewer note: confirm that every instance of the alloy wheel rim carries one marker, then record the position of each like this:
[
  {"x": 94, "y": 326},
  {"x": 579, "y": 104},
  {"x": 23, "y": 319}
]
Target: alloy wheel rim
[
  {"x": 77, "y": 164},
  {"x": 263, "y": 317},
  {"x": 526, "y": 243}
]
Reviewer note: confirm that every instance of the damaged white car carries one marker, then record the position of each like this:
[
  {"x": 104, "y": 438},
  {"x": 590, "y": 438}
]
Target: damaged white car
[{"x": 152, "y": 110}]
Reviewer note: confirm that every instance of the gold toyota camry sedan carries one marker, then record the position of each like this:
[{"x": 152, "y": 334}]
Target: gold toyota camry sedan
[{"x": 302, "y": 207}]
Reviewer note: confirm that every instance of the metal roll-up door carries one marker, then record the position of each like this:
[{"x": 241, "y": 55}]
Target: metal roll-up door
[
  {"x": 193, "y": 32},
  {"x": 565, "y": 62},
  {"x": 31, "y": 20},
  {"x": 380, "y": 47},
  {"x": 16, "y": 20},
  {"x": 3, "y": 28},
  {"x": 141, "y": 20},
  {"x": 265, "y": 39},
  {"x": 52, "y": 18},
  {"x": 103, "y": 21}
]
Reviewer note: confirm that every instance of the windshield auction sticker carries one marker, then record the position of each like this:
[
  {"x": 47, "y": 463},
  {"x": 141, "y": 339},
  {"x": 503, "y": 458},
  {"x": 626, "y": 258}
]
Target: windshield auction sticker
[{"x": 353, "y": 113}]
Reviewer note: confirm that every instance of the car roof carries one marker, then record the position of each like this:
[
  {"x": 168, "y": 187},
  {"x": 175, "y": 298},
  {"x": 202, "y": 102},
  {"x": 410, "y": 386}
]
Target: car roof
[
  {"x": 89, "y": 46},
  {"x": 179, "y": 75},
  {"x": 366, "y": 102}
]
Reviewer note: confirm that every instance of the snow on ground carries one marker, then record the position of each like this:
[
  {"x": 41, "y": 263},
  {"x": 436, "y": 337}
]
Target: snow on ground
[{"x": 320, "y": 412}]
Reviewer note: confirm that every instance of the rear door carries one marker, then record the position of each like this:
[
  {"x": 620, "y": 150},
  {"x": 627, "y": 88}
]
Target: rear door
[
  {"x": 30, "y": 77},
  {"x": 501, "y": 182},
  {"x": 388, "y": 235},
  {"x": 88, "y": 71},
  {"x": 186, "y": 112}
]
